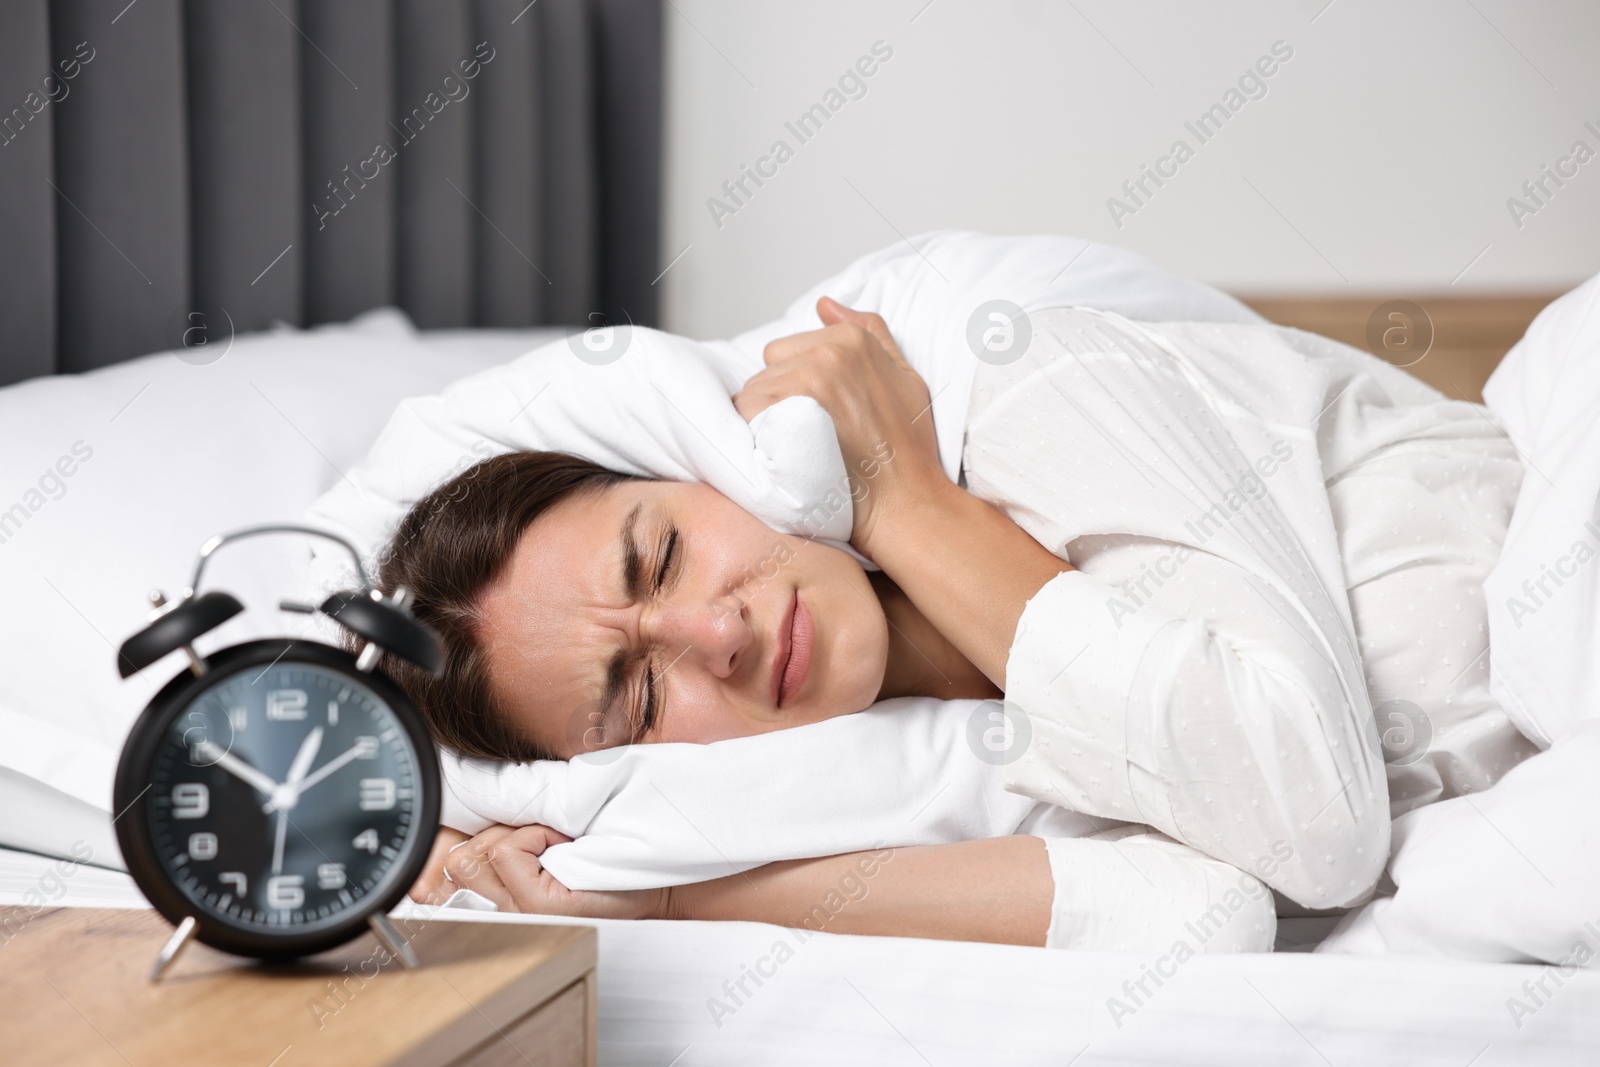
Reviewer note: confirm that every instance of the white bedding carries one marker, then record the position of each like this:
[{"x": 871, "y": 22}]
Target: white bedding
[
  {"x": 898, "y": 774},
  {"x": 661, "y": 405},
  {"x": 1513, "y": 872},
  {"x": 647, "y": 402},
  {"x": 1460, "y": 891},
  {"x": 169, "y": 453},
  {"x": 896, "y": 1001},
  {"x": 172, "y": 446},
  {"x": 1544, "y": 593}
]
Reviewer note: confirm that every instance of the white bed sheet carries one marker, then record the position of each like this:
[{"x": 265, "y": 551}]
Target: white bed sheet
[{"x": 901, "y": 1001}]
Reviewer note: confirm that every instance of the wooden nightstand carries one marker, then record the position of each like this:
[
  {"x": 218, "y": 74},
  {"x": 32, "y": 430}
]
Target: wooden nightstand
[{"x": 73, "y": 990}]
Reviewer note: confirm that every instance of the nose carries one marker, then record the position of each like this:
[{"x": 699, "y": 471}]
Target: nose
[{"x": 714, "y": 633}]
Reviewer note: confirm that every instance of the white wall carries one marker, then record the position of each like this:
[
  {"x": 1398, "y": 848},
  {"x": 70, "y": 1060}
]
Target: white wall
[{"x": 1381, "y": 156}]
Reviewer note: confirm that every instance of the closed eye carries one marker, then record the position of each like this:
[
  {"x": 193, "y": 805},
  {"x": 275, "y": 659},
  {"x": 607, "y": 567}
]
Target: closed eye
[
  {"x": 668, "y": 555},
  {"x": 649, "y": 698}
]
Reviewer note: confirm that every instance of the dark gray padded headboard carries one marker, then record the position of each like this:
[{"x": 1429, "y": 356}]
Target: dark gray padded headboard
[{"x": 475, "y": 162}]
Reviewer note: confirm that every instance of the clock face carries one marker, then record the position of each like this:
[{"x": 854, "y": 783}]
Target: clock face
[{"x": 286, "y": 798}]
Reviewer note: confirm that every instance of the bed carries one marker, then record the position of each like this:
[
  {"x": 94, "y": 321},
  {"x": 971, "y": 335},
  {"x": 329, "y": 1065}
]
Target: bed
[
  {"x": 665, "y": 999},
  {"x": 301, "y": 358},
  {"x": 669, "y": 991}
]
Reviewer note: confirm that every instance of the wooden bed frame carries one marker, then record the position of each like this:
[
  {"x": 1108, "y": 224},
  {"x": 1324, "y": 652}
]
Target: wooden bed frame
[{"x": 1470, "y": 333}]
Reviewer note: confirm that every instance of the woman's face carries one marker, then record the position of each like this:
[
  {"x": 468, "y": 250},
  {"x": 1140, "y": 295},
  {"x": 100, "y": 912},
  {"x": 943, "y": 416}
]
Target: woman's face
[{"x": 663, "y": 611}]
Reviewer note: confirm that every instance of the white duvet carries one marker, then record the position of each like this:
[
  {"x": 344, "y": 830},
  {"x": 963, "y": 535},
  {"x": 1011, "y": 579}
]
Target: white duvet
[{"x": 1513, "y": 873}]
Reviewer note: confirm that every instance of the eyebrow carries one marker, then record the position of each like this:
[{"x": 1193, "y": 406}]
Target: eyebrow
[
  {"x": 632, "y": 563},
  {"x": 632, "y": 568}
]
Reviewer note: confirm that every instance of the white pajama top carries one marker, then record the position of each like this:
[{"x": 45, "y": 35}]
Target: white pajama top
[{"x": 1274, "y": 638}]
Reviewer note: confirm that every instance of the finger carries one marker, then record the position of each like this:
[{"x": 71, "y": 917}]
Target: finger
[
  {"x": 831, "y": 312},
  {"x": 793, "y": 346},
  {"x": 482, "y": 847},
  {"x": 471, "y": 866},
  {"x": 764, "y": 389},
  {"x": 484, "y": 878},
  {"x": 521, "y": 870},
  {"x": 536, "y": 837},
  {"x": 772, "y": 385},
  {"x": 750, "y": 404},
  {"x": 432, "y": 886}
]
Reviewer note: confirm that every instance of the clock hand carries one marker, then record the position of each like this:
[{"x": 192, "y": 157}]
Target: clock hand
[
  {"x": 305, "y": 757},
  {"x": 277, "y": 847},
  {"x": 236, "y": 766},
  {"x": 291, "y": 792},
  {"x": 284, "y": 795}
]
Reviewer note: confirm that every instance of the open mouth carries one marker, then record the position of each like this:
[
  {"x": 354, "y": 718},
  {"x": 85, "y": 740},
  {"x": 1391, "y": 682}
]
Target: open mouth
[{"x": 792, "y": 663}]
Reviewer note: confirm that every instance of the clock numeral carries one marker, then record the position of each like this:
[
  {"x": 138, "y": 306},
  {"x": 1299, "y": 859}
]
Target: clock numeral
[
  {"x": 377, "y": 794},
  {"x": 333, "y": 713},
  {"x": 286, "y": 704},
  {"x": 195, "y": 737},
  {"x": 241, "y": 884},
  {"x": 239, "y": 718},
  {"x": 330, "y": 876},
  {"x": 286, "y": 891},
  {"x": 203, "y": 846},
  {"x": 366, "y": 747},
  {"x": 367, "y": 839},
  {"x": 190, "y": 800}
]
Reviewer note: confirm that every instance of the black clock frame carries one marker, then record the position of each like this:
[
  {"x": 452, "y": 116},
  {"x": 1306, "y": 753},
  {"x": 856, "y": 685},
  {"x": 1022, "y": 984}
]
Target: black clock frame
[{"x": 131, "y": 796}]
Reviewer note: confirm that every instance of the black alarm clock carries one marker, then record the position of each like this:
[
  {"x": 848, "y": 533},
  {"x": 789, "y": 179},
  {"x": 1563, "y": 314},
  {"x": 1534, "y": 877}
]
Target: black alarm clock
[{"x": 278, "y": 797}]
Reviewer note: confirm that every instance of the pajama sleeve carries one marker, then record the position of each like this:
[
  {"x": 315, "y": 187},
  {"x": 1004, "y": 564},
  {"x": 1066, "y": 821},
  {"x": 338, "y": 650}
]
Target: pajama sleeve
[
  {"x": 1135, "y": 890},
  {"x": 1211, "y": 714}
]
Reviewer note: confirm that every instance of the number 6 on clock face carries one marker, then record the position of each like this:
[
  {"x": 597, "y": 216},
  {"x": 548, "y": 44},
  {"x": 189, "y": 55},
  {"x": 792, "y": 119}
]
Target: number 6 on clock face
[{"x": 286, "y": 891}]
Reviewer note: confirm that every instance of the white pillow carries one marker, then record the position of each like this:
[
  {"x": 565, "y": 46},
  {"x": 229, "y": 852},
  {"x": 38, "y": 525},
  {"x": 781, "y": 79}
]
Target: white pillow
[
  {"x": 651, "y": 403},
  {"x": 110, "y": 481},
  {"x": 1544, "y": 590}
]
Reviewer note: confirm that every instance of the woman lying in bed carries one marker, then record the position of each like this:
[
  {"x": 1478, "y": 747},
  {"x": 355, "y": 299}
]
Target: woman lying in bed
[{"x": 1169, "y": 680}]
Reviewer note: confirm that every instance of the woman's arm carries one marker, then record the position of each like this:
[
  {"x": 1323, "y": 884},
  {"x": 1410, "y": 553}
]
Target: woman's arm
[
  {"x": 997, "y": 890},
  {"x": 965, "y": 565}
]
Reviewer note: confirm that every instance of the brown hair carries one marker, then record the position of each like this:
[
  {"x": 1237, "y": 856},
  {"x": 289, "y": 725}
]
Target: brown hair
[{"x": 452, "y": 546}]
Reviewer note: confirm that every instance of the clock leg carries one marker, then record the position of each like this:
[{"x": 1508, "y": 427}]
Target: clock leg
[
  {"x": 390, "y": 938},
  {"x": 173, "y": 948}
]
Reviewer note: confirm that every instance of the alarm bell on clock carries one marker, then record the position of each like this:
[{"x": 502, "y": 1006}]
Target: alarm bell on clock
[{"x": 278, "y": 797}]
